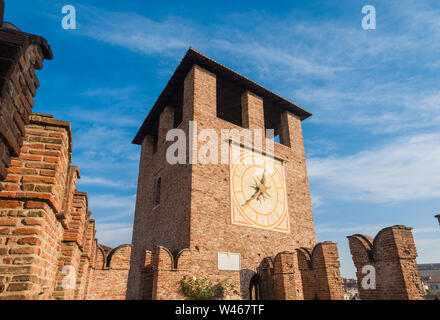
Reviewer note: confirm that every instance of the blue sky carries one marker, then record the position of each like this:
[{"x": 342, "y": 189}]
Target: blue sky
[{"x": 372, "y": 145}]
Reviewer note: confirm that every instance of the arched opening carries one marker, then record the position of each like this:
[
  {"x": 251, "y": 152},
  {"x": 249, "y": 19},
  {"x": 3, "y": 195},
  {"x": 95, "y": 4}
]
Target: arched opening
[{"x": 255, "y": 288}]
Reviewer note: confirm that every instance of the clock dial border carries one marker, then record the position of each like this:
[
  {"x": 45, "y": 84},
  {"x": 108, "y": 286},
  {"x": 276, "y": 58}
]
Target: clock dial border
[{"x": 238, "y": 217}]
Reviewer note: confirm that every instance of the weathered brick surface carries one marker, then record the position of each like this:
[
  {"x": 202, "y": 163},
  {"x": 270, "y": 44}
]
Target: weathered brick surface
[
  {"x": 31, "y": 197},
  {"x": 20, "y": 55},
  {"x": 287, "y": 283},
  {"x": 392, "y": 254},
  {"x": 45, "y": 226},
  {"x": 109, "y": 282},
  {"x": 320, "y": 273}
]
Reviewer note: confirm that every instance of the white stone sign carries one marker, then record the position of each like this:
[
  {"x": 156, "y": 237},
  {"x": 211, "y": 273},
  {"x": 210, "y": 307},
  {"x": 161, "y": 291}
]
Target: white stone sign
[{"x": 229, "y": 261}]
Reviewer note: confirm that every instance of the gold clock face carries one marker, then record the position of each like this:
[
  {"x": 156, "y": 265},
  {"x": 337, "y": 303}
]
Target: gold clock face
[{"x": 258, "y": 192}]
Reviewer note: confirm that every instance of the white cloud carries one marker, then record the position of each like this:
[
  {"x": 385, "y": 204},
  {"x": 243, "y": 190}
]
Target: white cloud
[
  {"x": 407, "y": 169},
  {"x": 107, "y": 201},
  {"x": 427, "y": 249},
  {"x": 285, "y": 50},
  {"x": 104, "y": 182},
  {"x": 116, "y": 140},
  {"x": 114, "y": 234},
  {"x": 425, "y": 230},
  {"x": 349, "y": 230},
  {"x": 117, "y": 216},
  {"x": 174, "y": 34},
  {"x": 137, "y": 33}
]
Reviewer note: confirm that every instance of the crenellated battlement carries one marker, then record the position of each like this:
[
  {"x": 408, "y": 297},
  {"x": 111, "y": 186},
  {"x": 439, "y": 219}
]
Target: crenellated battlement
[
  {"x": 390, "y": 261},
  {"x": 48, "y": 248}
]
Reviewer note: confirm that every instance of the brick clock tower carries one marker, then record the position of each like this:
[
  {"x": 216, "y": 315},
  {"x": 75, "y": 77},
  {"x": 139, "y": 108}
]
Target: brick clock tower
[{"x": 249, "y": 219}]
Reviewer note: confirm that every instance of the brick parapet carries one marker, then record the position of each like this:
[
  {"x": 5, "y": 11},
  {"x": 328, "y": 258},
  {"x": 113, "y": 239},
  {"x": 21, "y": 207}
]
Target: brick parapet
[
  {"x": 20, "y": 55},
  {"x": 392, "y": 255},
  {"x": 46, "y": 235},
  {"x": 40, "y": 172},
  {"x": 252, "y": 111},
  {"x": 108, "y": 277}
]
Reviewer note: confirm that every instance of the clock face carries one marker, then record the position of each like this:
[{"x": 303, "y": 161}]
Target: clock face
[{"x": 258, "y": 193}]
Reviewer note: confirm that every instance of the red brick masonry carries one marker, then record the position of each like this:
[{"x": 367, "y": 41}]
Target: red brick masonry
[
  {"x": 20, "y": 55},
  {"x": 393, "y": 254},
  {"x": 45, "y": 226}
]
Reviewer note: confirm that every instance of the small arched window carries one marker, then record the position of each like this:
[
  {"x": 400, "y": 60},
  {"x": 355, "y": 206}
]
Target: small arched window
[{"x": 157, "y": 192}]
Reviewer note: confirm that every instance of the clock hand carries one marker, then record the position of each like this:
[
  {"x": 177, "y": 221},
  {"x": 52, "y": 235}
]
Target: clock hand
[
  {"x": 263, "y": 178},
  {"x": 255, "y": 195}
]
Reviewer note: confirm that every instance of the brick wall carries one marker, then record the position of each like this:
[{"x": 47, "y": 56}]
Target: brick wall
[
  {"x": 20, "y": 55},
  {"x": 284, "y": 277},
  {"x": 320, "y": 273},
  {"x": 109, "y": 281},
  {"x": 392, "y": 254},
  {"x": 287, "y": 282},
  {"x": 48, "y": 248},
  {"x": 29, "y": 205}
]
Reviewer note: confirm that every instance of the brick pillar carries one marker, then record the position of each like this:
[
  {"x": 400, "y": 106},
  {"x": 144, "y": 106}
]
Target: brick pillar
[
  {"x": 392, "y": 257},
  {"x": 307, "y": 274},
  {"x": 325, "y": 263},
  {"x": 252, "y": 111},
  {"x": 166, "y": 123},
  {"x": 320, "y": 274},
  {"x": 147, "y": 276},
  {"x": 286, "y": 277},
  {"x": 199, "y": 102},
  {"x": 361, "y": 248},
  {"x": 199, "y": 94},
  {"x": 291, "y": 131}
]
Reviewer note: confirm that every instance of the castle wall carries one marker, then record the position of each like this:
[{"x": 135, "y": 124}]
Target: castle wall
[
  {"x": 29, "y": 205},
  {"x": 109, "y": 282},
  {"x": 301, "y": 274},
  {"x": 392, "y": 255},
  {"x": 320, "y": 273},
  {"x": 47, "y": 244}
]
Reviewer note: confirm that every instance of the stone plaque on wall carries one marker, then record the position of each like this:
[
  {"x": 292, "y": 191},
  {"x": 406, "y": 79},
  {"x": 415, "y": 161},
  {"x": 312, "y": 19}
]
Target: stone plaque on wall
[{"x": 229, "y": 261}]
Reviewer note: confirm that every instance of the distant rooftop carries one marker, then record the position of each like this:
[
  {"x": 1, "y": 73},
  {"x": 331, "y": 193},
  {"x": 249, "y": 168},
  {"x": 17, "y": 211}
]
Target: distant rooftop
[
  {"x": 193, "y": 57},
  {"x": 429, "y": 266}
]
